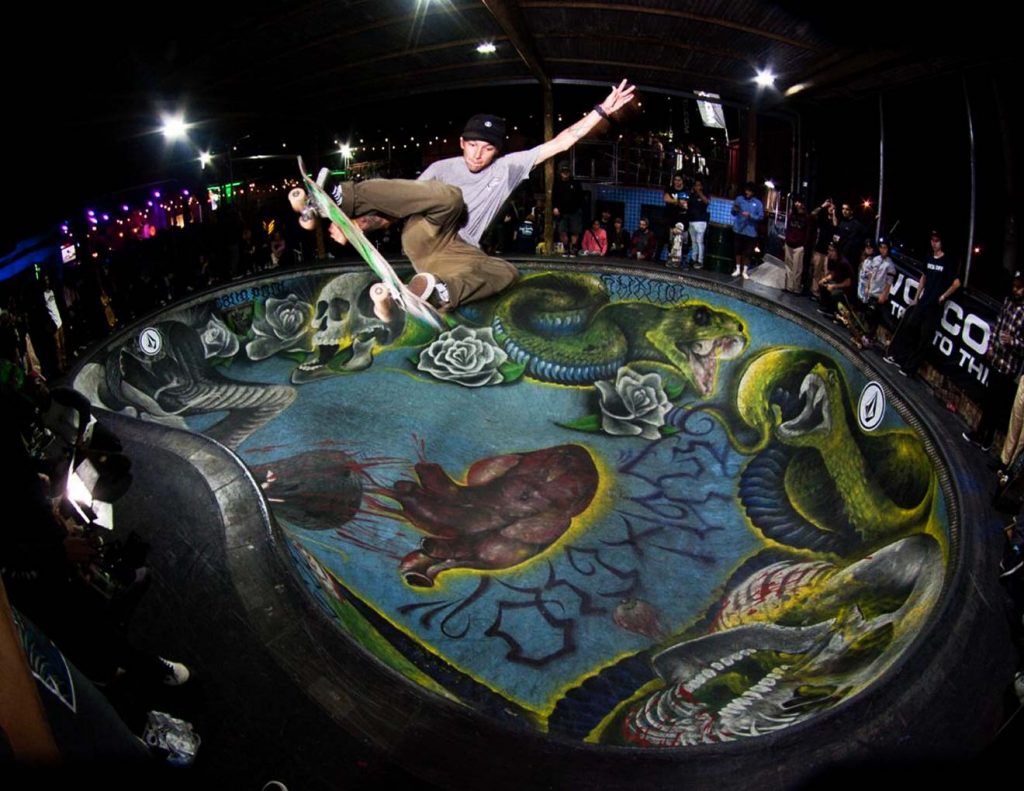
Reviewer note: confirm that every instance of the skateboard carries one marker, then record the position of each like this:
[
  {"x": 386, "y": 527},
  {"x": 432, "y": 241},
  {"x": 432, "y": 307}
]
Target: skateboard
[{"x": 312, "y": 202}]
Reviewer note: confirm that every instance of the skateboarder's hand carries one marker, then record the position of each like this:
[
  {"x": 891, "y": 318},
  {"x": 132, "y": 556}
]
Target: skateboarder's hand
[
  {"x": 620, "y": 96},
  {"x": 337, "y": 234}
]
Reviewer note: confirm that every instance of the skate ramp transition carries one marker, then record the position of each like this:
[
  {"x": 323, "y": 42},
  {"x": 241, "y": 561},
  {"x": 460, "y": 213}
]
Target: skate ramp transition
[{"x": 612, "y": 510}]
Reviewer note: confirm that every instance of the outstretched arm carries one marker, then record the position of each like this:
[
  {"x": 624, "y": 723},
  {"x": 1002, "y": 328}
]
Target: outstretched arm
[{"x": 620, "y": 96}]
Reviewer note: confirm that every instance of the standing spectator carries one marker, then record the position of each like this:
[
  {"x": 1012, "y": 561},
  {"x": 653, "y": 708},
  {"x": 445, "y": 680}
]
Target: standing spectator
[
  {"x": 747, "y": 211},
  {"x": 57, "y": 325},
  {"x": 595, "y": 240},
  {"x": 567, "y": 202},
  {"x": 697, "y": 213},
  {"x": 1005, "y": 354},
  {"x": 824, "y": 232},
  {"x": 798, "y": 234},
  {"x": 618, "y": 239},
  {"x": 280, "y": 255},
  {"x": 851, "y": 233},
  {"x": 606, "y": 220},
  {"x": 877, "y": 275},
  {"x": 867, "y": 252},
  {"x": 246, "y": 252},
  {"x": 526, "y": 235},
  {"x": 914, "y": 334},
  {"x": 644, "y": 243},
  {"x": 1014, "y": 442},
  {"x": 677, "y": 204},
  {"x": 507, "y": 228}
]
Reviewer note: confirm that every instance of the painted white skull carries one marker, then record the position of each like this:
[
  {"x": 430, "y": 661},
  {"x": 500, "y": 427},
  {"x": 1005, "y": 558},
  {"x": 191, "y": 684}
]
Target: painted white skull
[{"x": 344, "y": 323}]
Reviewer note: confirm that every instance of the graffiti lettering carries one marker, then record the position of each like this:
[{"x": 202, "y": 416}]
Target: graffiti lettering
[{"x": 247, "y": 295}]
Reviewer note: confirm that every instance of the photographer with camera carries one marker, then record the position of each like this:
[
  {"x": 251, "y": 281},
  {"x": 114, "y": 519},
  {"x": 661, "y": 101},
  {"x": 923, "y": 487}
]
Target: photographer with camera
[{"x": 48, "y": 551}]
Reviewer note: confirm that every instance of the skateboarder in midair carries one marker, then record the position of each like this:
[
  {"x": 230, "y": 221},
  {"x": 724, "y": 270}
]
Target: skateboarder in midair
[{"x": 451, "y": 204}]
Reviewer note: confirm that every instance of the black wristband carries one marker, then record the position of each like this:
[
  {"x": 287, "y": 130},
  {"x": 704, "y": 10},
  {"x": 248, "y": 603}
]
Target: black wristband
[{"x": 600, "y": 111}]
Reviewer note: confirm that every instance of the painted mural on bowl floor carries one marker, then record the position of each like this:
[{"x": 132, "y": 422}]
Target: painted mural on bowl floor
[{"x": 604, "y": 505}]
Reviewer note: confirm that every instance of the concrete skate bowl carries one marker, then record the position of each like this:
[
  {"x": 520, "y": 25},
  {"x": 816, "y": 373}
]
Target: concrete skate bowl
[{"x": 629, "y": 521}]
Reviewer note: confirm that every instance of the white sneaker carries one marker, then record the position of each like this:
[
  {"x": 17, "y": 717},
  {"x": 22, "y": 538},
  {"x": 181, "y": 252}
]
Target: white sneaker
[
  {"x": 429, "y": 289},
  {"x": 745, "y": 275},
  {"x": 175, "y": 673},
  {"x": 736, "y": 272}
]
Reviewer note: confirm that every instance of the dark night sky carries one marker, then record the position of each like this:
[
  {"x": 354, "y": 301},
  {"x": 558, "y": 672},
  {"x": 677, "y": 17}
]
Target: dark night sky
[{"x": 85, "y": 87}]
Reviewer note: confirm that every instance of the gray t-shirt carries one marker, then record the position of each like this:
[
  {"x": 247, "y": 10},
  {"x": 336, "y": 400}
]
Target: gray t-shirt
[{"x": 484, "y": 192}]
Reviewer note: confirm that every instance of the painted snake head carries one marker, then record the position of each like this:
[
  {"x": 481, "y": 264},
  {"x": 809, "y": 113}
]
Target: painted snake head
[
  {"x": 694, "y": 337},
  {"x": 791, "y": 394},
  {"x": 818, "y": 481},
  {"x": 819, "y": 397}
]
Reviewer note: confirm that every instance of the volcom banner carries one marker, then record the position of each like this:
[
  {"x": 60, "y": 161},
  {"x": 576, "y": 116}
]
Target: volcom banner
[{"x": 960, "y": 342}]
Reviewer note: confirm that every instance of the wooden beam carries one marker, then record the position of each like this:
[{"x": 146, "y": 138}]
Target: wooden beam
[{"x": 508, "y": 14}]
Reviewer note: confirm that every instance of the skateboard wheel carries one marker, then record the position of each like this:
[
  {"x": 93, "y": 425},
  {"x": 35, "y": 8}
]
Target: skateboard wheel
[
  {"x": 308, "y": 223},
  {"x": 297, "y": 198},
  {"x": 383, "y": 305}
]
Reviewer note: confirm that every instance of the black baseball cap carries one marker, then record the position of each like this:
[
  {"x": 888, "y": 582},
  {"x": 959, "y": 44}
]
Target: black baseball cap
[{"x": 489, "y": 128}]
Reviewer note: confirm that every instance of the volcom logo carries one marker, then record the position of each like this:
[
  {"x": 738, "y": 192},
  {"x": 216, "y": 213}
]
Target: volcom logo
[
  {"x": 871, "y": 406},
  {"x": 150, "y": 341}
]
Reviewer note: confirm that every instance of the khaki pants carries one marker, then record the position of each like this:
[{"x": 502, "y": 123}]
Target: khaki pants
[
  {"x": 1014, "y": 442},
  {"x": 819, "y": 266},
  {"x": 433, "y": 215},
  {"x": 794, "y": 269}
]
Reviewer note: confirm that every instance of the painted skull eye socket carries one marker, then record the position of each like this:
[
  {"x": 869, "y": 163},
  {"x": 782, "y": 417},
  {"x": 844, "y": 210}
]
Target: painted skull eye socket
[
  {"x": 337, "y": 309},
  {"x": 702, "y": 317}
]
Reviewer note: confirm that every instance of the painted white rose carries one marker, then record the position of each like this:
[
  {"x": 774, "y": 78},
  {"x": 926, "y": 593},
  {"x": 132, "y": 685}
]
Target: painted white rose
[
  {"x": 218, "y": 340},
  {"x": 634, "y": 404},
  {"x": 465, "y": 355},
  {"x": 284, "y": 325}
]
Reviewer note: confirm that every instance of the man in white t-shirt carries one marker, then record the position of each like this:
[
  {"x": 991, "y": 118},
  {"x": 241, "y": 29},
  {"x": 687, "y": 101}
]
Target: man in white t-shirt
[{"x": 451, "y": 204}]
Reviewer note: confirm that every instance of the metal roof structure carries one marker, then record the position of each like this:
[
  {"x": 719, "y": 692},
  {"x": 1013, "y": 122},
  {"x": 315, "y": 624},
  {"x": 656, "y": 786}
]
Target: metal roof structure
[{"x": 89, "y": 84}]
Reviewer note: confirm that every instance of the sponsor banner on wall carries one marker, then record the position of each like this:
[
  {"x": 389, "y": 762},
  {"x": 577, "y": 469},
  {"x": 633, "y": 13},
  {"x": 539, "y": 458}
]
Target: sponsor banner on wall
[{"x": 961, "y": 339}]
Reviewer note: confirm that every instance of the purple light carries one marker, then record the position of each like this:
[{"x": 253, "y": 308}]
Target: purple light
[
  {"x": 185, "y": 193},
  {"x": 64, "y": 228},
  {"x": 124, "y": 207},
  {"x": 149, "y": 203},
  {"x": 106, "y": 218},
  {"x": 90, "y": 212},
  {"x": 156, "y": 194}
]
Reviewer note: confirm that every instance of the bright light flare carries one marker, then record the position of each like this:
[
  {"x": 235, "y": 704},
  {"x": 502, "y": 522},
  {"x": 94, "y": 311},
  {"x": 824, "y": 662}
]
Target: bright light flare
[
  {"x": 487, "y": 48},
  {"x": 174, "y": 127},
  {"x": 765, "y": 78}
]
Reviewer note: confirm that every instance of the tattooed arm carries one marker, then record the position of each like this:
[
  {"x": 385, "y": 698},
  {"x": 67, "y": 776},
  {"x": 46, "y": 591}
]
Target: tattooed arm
[
  {"x": 620, "y": 96},
  {"x": 368, "y": 223}
]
